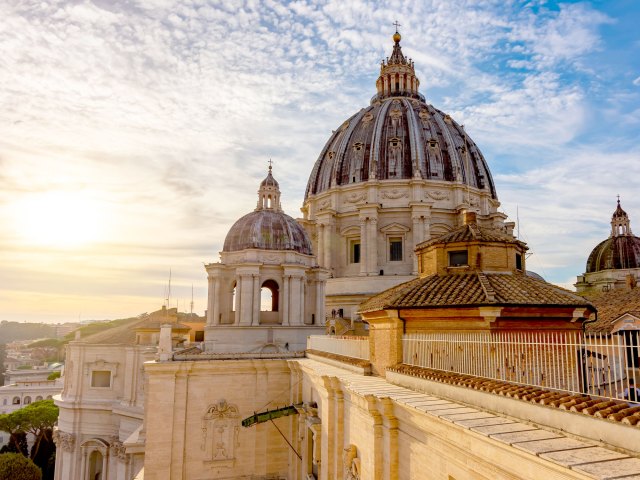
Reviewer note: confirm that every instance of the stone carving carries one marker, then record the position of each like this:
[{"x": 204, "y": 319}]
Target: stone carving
[
  {"x": 437, "y": 195},
  {"x": 63, "y": 440},
  {"x": 355, "y": 197},
  {"x": 220, "y": 429},
  {"x": 395, "y": 156},
  {"x": 366, "y": 119},
  {"x": 351, "y": 463},
  {"x": 119, "y": 450},
  {"x": 324, "y": 204},
  {"x": 394, "y": 194},
  {"x": 271, "y": 258}
]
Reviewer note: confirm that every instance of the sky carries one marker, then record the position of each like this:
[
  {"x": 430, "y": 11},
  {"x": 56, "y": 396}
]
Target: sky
[{"x": 134, "y": 133}]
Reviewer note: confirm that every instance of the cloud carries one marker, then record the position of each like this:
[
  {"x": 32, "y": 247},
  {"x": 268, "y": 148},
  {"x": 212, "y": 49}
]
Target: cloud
[{"x": 168, "y": 111}]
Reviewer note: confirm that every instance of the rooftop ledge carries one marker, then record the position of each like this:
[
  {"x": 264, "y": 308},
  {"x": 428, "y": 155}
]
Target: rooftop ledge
[{"x": 611, "y": 423}]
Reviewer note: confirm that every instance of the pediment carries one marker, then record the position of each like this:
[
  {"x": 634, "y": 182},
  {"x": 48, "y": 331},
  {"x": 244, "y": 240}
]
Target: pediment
[
  {"x": 395, "y": 228},
  {"x": 626, "y": 321},
  {"x": 350, "y": 231}
]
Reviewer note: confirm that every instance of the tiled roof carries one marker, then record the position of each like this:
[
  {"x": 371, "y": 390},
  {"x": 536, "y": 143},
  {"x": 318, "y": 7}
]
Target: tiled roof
[
  {"x": 617, "y": 411},
  {"x": 612, "y": 305},
  {"x": 473, "y": 289},
  {"x": 471, "y": 233},
  {"x": 122, "y": 334}
]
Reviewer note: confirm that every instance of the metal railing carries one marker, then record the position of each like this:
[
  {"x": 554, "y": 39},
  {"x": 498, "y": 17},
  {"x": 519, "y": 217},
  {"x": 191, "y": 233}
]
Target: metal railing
[
  {"x": 354, "y": 347},
  {"x": 598, "y": 365}
]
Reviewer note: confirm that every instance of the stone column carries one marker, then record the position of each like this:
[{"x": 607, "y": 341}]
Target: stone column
[
  {"x": 211, "y": 294},
  {"x": 256, "y": 300},
  {"x": 321, "y": 240},
  {"x": 214, "y": 302},
  {"x": 236, "y": 320},
  {"x": 295, "y": 301},
  {"x": 364, "y": 246},
  {"x": 285, "y": 299},
  {"x": 328, "y": 235},
  {"x": 372, "y": 242},
  {"x": 246, "y": 300},
  {"x": 386, "y": 84}
]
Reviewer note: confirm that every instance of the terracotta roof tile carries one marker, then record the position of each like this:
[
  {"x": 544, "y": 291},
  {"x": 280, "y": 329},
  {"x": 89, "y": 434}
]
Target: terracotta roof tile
[
  {"x": 612, "y": 410},
  {"x": 471, "y": 233},
  {"x": 468, "y": 289},
  {"x": 611, "y": 306}
]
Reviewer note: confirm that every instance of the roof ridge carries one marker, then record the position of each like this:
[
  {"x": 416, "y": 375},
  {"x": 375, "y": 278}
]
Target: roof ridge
[{"x": 488, "y": 290}]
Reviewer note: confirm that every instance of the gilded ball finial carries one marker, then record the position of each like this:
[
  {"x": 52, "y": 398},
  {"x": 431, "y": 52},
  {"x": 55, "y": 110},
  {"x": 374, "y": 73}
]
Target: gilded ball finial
[{"x": 397, "y": 37}]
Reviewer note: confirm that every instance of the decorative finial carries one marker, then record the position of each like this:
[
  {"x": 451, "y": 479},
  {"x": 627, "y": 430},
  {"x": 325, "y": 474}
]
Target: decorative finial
[
  {"x": 618, "y": 199},
  {"x": 270, "y": 164},
  {"x": 396, "y": 36}
]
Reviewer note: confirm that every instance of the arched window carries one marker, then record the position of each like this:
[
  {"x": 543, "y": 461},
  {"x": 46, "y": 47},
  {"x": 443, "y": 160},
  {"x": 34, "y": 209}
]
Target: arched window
[
  {"x": 49, "y": 397},
  {"x": 16, "y": 400},
  {"x": 95, "y": 466},
  {"x": 269, "y": 294},
  {"x": 27, "y": 400},
  {"x": 38, "y": 398}
]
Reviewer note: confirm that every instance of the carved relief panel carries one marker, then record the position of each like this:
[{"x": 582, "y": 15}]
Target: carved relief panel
[{"x": 220, "y": 428}]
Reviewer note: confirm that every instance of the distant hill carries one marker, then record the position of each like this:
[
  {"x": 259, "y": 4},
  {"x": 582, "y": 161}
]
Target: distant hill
[{"x": 10, "y": 331}]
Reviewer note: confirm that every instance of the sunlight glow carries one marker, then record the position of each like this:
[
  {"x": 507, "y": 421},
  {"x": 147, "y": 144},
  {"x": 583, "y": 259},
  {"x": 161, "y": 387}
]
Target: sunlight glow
[{"x": 60, "y": 219}]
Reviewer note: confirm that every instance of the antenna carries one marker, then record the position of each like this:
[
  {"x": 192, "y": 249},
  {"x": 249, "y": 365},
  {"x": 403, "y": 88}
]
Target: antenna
[
  {"x": 517, "y": 222},
  {"x": 191, "y": 311}
]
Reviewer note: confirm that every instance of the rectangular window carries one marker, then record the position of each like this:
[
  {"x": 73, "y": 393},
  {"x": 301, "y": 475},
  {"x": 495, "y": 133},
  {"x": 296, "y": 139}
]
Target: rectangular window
[
  {"x": 518, "y": 261},
  {"x": 459, "y": 258},
  {"x": 101, "y": 378},
  {"x": 355, "y": 251},
  {"x": 199, "y": 336},
  {"x": 395, "y": 249}
]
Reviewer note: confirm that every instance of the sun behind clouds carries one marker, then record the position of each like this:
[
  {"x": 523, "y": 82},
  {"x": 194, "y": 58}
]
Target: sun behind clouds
[{"x": 58, "y": 219}]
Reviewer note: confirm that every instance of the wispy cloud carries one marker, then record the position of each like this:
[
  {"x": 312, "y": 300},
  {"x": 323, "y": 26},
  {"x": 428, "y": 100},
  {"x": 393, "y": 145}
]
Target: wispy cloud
[{"x": 164, "y": 114}]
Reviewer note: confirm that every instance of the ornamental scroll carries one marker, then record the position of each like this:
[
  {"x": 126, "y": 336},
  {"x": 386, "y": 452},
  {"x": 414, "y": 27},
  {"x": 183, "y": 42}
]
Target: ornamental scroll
[
  {"x": 220, "y": 428},
  {"x": 63, "y": 440},
  {"x": 351, "y": 463}
]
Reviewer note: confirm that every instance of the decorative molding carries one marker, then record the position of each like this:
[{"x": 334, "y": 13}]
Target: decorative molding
[
  {"x": 324, "y": 204},
  {"x": 394, "y": 194},
  {"x": 63, "y": 440},
  {"x": 101, "y": 365},
  {"x": 220, "y": 429},
  {"x": 351, "y": 463},
  {"x": 119, "y": 450},
  {"x": 355, "y": 197},
  {"x": 395, "y": 228},
  {"x": 437, "y": 194}
]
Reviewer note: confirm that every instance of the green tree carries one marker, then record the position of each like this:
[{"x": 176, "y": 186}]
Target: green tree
[
  {"x": 14, "y": 426},
  {"x": 53, "y": 375},
  {"x": 3, "y": 356},
  {"x": 14, "y": 466},
  {"x": 37, "y": 418}
]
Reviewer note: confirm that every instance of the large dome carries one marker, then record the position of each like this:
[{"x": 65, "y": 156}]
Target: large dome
[
  {"x": 399, "y": 136},
  {"x": 620, "y": 251},
  {"x": 267, "y": 230}
]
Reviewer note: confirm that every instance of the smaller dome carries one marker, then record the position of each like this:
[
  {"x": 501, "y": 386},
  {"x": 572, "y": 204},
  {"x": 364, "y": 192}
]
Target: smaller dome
[
  {"x": 268, "y": 227},
  {"x": 618, "y": 252},
  {"x": 615, "y": 253},
  {"x": 267, "y": 230}
]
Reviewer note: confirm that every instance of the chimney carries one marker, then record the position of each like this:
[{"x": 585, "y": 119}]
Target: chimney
[{"x": 165, "y": 348}]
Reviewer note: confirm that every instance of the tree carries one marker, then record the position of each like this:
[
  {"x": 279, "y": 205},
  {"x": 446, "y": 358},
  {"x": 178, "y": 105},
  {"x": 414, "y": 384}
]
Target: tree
[
  {"x": 54, "y": 375},
  {"x": 37, "y": 418},
  {"x": 14, "y": 466},
  {"x": 14, "y": 426}
]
